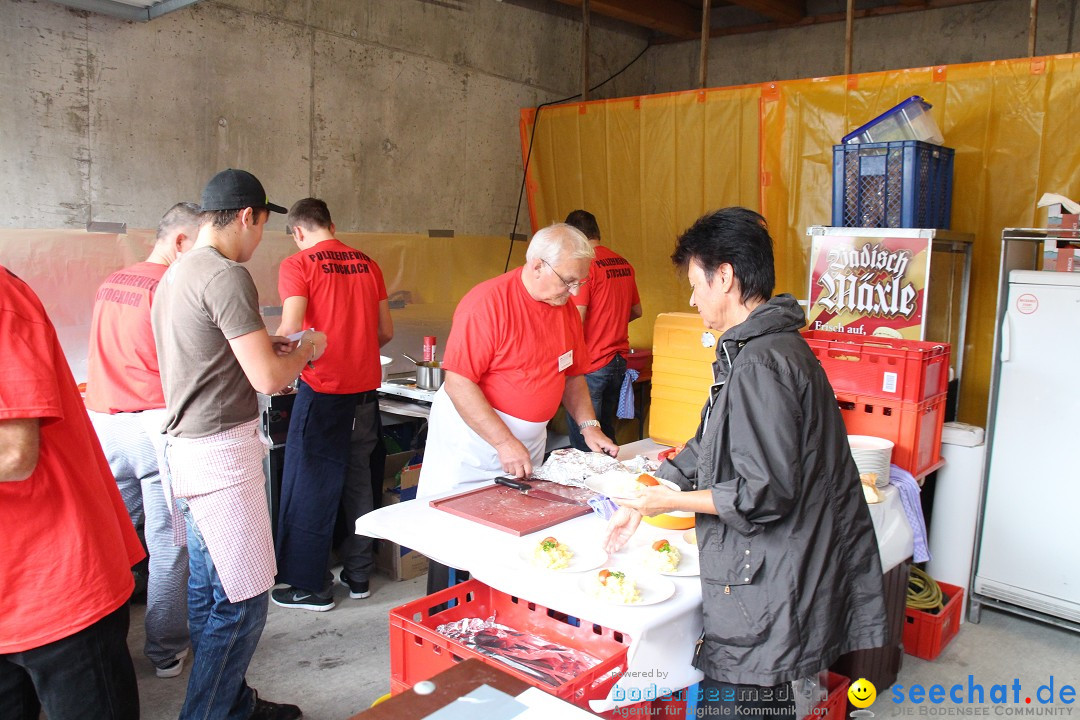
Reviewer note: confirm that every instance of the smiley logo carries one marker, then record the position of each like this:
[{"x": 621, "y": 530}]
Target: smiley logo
[{"x": 862, "y": 693}]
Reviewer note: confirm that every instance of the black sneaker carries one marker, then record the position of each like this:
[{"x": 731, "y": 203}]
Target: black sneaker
[
  {"x": 358, "y": 589},
  {"x": 294, "y": 597},
  {"x": 266, "y": 710}
]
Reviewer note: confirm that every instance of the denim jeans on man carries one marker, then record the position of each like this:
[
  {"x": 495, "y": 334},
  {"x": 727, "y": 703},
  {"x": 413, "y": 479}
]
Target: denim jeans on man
[
  {"x": 604, "y": 386},
  {"x": 86, "y": 676},
  {"x": 223, "y": 638}
]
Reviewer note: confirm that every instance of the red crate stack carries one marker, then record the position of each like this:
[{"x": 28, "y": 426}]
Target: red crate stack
[{"x": 889, "y": 388}]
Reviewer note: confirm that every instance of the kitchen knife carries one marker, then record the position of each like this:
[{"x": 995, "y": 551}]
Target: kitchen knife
[{"x": 526, "y": 489}]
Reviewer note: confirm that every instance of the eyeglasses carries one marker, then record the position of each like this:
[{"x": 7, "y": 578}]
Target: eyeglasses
[{"x": 571, "y": 286}]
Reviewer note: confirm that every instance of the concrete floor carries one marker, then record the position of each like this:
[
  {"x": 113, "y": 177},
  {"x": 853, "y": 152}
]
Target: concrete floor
[{"x": 336, "y": 663}]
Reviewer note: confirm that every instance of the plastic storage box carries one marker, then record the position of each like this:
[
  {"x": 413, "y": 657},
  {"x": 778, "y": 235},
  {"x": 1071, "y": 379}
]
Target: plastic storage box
[
  {"x": 417, "y": 651},
  {"x": 894, "y": 184},
  {"x": 681, "y": 376},
  {"x": 914, "y": 428},
  {"x": 906, "y": 370},
  {"x": 926, "y": 634},
  {"x": 910, "y": 120}
]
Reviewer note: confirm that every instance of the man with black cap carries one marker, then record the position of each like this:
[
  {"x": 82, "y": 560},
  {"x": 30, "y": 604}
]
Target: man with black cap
[{"x": 214, "y": 354}]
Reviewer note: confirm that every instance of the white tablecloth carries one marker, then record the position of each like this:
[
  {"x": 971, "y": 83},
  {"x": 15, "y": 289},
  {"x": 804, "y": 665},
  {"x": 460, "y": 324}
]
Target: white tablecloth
[{"x": 662, "y": 635}]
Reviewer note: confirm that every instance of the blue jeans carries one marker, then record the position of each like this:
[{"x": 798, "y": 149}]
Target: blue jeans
[
  {"x": 604, "y": 386},
  {"x": 223, "y": 638}
]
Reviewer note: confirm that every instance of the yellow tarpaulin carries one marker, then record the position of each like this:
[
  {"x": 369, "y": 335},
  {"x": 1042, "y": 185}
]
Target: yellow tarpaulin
[{"x": 647, "y": 167}]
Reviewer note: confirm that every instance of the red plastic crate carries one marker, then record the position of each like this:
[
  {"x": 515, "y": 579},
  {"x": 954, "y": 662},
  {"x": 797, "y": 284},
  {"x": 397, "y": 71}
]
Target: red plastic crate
[
  {"x": 926, "y": 634},
  {"x": 417, "y": 651},
  {"x": 914, "y": 428},
  {"x": 834, "y": 706},
  {"x": 905, "y": 370}
]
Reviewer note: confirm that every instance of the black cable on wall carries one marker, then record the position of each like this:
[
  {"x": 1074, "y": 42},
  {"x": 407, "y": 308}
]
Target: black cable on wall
[{"x": 528, "y": 153}]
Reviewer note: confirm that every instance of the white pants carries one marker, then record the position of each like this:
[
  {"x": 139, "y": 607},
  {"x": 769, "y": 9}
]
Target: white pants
[{"x": 134, "y": 446}]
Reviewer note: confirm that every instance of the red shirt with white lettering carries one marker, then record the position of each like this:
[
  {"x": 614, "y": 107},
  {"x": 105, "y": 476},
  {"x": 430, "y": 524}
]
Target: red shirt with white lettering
[
  {"x": 66, "y": 522},
  {"x": 518, "y": 350},
  {"x": 343, "y": 287},
  {"x": 122, "y": 367},
  {"x": 609, "y": 295}
]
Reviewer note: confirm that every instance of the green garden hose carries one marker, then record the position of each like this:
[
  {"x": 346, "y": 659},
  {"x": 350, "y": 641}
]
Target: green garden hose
[{"x": 923, "y": 592}]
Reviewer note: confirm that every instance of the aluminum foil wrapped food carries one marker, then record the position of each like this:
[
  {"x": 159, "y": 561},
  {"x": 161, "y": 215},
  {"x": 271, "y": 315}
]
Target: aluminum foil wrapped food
[
  {"x": 551, "y": 664},
  {"x": 570, "y": 466}
]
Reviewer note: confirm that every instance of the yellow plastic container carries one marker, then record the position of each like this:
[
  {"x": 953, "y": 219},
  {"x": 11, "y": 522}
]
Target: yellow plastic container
[
  {"x": 682, "y": 374},
  {"x": 672, "y": 521}
]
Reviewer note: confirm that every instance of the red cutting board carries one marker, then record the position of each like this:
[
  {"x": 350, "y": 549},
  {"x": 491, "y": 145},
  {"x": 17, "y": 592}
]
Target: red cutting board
[{"x": 508, "y": 510}]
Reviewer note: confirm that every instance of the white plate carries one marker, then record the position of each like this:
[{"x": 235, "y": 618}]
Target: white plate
[
  {"x": 651, "y": 588},
  {"x": 585, "y": 558},
  {"x": 614, "y": 484},
  {"x": 621, "y": 484},
  {"x": 688, "y": 562}
]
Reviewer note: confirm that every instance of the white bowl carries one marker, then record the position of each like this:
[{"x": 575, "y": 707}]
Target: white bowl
[{"x": 872, "y": 455}]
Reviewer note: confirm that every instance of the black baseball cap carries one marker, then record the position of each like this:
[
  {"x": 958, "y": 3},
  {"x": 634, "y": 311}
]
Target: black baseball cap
[{"x": 234, "y": 190}]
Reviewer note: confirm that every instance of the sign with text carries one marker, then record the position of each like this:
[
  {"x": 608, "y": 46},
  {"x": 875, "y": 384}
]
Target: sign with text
[{"x": 869, "y": 285}]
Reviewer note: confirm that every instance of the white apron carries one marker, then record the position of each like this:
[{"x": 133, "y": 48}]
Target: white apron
[{"x": 456, "y": 459}]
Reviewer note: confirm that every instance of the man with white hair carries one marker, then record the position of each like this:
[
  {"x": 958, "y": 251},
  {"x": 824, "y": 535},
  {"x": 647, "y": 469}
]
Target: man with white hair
[{"x": 515, "y": 351}]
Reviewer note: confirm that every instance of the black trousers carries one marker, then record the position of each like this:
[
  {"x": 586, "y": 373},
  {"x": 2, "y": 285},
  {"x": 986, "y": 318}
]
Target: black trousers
[
  {"x": 327, "y": 466},
  {"x": 85, "y": 676}
]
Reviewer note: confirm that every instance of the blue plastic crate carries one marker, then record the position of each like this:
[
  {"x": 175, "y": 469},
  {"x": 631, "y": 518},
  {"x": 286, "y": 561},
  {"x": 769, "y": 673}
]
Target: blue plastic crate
[{"x": 906, "y": 183}]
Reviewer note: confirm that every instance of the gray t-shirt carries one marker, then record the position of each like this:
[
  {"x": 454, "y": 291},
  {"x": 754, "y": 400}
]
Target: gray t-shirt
[{"x": 203, "y": 301}]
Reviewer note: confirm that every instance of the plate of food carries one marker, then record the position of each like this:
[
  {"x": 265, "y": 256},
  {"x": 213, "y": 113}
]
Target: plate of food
[
  {"x": 620, "y": 587},
  {"x": 549, "y": 553},
  {"x": 669, "y": 558},
  {"x": 624, "y": 484}
]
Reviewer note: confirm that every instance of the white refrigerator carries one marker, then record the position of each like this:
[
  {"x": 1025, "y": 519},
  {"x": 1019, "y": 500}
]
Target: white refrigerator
[{"x": 1029, "y": 552}]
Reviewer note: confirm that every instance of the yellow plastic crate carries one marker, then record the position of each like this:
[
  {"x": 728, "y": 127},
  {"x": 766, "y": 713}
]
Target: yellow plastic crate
[{"x": 682, "y": 374}]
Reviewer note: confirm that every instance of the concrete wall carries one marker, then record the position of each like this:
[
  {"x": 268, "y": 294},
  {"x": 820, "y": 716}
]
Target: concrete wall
[
  {"x": 401, "y": 114},
  {"x": 992, "y": 30}
]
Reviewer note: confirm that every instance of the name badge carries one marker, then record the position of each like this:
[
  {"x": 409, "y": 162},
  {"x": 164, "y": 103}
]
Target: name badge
[{"x": 566, "y": 360}]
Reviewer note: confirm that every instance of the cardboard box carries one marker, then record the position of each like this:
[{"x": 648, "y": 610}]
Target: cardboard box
[
  {"x": 1068, "y": 259},
  {"x": 393, "y": 560},
  {"x": 1058, "y": 216},
  {"x": 399, "y": 484},
  {"x": 1061, "y": 256},
  {"x": 399, "y": 472},
  {"x": 395, "y": 463}
]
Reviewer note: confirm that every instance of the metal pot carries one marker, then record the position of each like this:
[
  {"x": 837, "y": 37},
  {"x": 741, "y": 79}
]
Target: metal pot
[{"x": 429, "y": 375}]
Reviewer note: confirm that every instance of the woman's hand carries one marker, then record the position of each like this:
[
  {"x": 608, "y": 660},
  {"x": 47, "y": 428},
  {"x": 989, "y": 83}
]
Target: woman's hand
[
  {"x": 621, "y": 528},
  {"x": 653, "y": 500}
]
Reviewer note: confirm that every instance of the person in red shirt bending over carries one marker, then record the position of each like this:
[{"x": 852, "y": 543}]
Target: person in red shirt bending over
[
  {"x": 334, "y": 425},
  {"x": 515, "y": 352},
  {"x": 61, "y": 521},
  {"x": 607, "y": 303},
  {"x": 127, "y": 407}
]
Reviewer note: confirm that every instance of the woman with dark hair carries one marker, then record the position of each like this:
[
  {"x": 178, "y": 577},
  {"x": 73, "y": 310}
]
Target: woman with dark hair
[{"x": 790, "y": 573}]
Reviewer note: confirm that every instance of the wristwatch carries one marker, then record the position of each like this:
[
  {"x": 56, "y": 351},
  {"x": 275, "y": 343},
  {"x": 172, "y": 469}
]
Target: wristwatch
[{"x": 588, "y": 423}]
